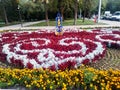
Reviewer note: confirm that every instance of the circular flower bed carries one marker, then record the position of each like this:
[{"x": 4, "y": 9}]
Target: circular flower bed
[{"x": 45, "y": 50}]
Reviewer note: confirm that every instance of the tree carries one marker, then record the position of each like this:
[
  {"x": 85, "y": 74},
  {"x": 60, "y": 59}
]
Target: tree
[
  {"x": 113, "y": 5},
  {"x": 76, "y": 3},
  {"x": 12, "y": 11},
  {"x": 87, "y": 7},
  {"x": 4, "y": 4},
  {"x": 69, "y": 5},
  {"x": 49, "y": 5},
  {"x": 9, "y": 10},
  {"x": 28, "y": 7},
  {"x": 104, "y": 4},
  {"x": 45, "y": 2},
  {"x": 64, "y": 5}
]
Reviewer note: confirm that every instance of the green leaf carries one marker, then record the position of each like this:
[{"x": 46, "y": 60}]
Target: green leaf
[
  {"x": 88, "y": 76},
  {"x": 3, "y": 84}
]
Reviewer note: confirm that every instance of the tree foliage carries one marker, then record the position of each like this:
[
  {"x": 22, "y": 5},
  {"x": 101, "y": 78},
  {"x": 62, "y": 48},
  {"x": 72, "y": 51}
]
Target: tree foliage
[
  {"x": 113, "y": 5},
  {"x": 47, "y": 9}
]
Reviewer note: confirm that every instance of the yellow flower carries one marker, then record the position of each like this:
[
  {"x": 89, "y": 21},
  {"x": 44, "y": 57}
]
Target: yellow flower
[
  {"x": 38, "y": 85},
  {"x": 44, "y": 88},
  {"x": 118, "y": 86},
  {"x": 9, "y": 83},
  {"x": 56, "y": 75},
  {"x": 28, "y": 86},
  {"x": 64, "y": 85},
  {"x": 76, "y": 79},
  {"x": 95, "y": 87},
  {"x": 25, "y": 82},
  {"x": 51, "y": 87},
  {"x": 48, "y": 81},
  {"x": 98, "y": 81},
  {"x": 64, "y": 88},
  {"x": 102, "y": 84},
  {"x": 103, "y": 80},
  {"x": 91, "y": 85}
]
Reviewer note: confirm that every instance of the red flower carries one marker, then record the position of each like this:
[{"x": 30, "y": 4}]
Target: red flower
[
  {"x": 19, "y": 63},
  {"x": 29, "y": 65},
  {"x": 63, "y": 66},
  {"x": 53, "y": 68},
  {"x": 86, "y": 61}
]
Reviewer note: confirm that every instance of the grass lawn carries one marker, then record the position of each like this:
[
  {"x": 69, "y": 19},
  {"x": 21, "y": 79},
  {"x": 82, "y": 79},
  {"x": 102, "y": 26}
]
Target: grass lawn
[
  {"x": 2, "y": 24},
  {"x": 68, "y": 22}
]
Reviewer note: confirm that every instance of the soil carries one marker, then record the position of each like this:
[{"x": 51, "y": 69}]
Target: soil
[{"x": 111, "y": 60}]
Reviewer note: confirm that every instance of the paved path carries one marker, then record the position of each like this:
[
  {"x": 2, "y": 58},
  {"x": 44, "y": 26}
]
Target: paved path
[
  {"x": 18, "y": 26},
  {"x": 115, "y": 23}
]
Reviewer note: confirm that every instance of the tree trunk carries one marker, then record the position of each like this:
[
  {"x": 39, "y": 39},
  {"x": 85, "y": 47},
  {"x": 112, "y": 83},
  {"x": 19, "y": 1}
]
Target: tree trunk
[
  {"x": 62, "y": 13},
  {"x": 83, "y": 16},
  {"x": 84, "y": 11},
  {"x": 46, "y": 15},
  {"x": 75, "y": 12},
  {"x": 5, "y": 15}
]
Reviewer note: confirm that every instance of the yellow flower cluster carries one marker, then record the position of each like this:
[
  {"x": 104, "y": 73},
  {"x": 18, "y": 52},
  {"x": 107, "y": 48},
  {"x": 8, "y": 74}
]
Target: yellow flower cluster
[{"x": 82, "y": 78}]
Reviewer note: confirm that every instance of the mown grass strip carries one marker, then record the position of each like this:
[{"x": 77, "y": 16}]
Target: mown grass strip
[{"x": 68, "y": 22}]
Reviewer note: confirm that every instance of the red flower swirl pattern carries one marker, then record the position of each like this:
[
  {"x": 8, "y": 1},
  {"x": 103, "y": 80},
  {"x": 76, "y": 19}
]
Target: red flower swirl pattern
[{"x": 45, "y": 50}]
